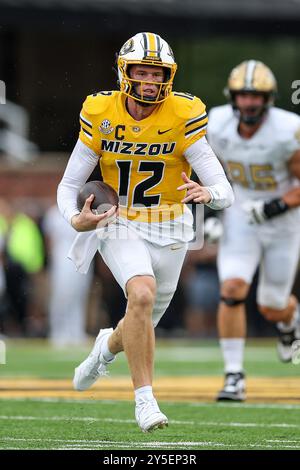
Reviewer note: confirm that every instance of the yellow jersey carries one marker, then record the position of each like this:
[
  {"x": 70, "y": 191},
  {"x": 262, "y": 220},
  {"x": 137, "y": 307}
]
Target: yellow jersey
[{"x": 143, "y": 160}]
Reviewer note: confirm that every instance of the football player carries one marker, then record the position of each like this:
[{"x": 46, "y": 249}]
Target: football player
[
  {"x": 146, "y": 138},
  {"x": 260, "y": 147}
]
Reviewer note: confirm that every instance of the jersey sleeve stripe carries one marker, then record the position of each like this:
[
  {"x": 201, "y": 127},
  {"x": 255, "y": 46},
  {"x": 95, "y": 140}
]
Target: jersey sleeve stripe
[
  {"x": 196, "y": 131},
  {"x": 198, "y": 125},
  {"x": 84, "y": 127},
  {"x": 196, "y": 119},
  {"x": 86, "y": 133},
  {"x": 182, "y": 95},
  {"x": 85, "y": 121}
]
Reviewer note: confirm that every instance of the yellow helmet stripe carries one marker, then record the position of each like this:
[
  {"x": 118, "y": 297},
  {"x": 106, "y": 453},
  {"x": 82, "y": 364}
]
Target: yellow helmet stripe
[
  {"x": 249, "y": 76},
  {"x": 152, "y": 48}
]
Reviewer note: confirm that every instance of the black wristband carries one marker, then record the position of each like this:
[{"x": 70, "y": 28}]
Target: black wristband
[{"x": 275, "y": 207}]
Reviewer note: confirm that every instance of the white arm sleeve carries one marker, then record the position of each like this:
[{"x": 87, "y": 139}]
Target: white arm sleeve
[
  {"x": 80, "y": 166},
  {"x": 211, "y": 174}
]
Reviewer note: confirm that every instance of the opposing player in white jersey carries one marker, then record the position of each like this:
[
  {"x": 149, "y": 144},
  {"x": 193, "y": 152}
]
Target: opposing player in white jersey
[
  {"x": 146, "y": 138},
  {"x": 260, "y": 147}
]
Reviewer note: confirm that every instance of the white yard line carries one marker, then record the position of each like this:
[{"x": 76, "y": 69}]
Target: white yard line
[
  {"x": 274, "y": 406},
  {"x": 101, "y": 442},
  {"x": 93, "y": 402},
  {"x": 100, "y": 445},
  {"x": 285, "y": 440},
  {"x": 91, "y": 419}
]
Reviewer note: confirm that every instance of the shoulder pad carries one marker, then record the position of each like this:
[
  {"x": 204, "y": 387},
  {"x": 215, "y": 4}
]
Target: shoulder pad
[
  {"x": 223, "y": 111},
  {"x": 98, "y": 102},
  {"x": 187, "y": 106},
  {"x": 286, "y": 122},
  {"x": 219, "y": 116}
]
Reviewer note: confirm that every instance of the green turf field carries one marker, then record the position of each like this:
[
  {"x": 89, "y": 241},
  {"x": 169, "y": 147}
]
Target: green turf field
[{"x": 269, "y": 420}]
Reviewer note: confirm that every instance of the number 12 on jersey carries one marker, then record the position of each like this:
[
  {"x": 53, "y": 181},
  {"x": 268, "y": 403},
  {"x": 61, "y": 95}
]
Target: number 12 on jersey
[{"x": 139, "y": 196}]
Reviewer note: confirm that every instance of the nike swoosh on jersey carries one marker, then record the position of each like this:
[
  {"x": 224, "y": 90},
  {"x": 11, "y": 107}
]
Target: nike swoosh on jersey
[{"x": 163, "y": 132}]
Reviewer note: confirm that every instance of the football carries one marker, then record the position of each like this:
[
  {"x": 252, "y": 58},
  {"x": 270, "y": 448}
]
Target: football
[{"x": 105, "y": 196}]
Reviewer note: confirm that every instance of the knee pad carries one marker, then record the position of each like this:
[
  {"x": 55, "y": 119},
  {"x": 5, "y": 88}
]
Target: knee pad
[{"x": 230, "y": 302}]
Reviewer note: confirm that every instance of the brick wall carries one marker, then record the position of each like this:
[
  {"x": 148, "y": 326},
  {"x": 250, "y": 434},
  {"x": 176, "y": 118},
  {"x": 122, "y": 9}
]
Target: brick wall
[{"x": 38, "y": 179}]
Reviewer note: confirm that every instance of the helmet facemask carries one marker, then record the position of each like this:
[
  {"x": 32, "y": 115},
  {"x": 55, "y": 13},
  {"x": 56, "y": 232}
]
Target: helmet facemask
[
  {"x": 146, "y": 49},
  {"x": 130, "y": 85},
  {"x": 256, "y": 113}
]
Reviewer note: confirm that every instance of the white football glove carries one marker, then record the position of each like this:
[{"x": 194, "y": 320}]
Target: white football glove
[
  {"x": 254, "y": 211},
  {"x": 213, "y": 230}
]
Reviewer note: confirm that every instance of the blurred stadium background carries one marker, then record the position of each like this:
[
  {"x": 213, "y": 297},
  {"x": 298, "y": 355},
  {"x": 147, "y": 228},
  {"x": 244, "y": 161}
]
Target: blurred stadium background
[{"x": 53, "y": 54}]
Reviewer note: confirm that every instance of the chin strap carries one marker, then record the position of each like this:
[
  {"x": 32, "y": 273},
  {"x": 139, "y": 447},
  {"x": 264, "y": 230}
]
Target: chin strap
[
  {"x": 250, "y": 120},
  {"x": 150, "y": 101}
]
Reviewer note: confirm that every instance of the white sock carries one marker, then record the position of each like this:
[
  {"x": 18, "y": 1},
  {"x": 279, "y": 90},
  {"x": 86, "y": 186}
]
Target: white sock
[
  {"x": 233, "y": 354},
  {"x": 284, "y": 327},
  {"x": 107, "y": 355},
  {"x": 143, "y": 394}
]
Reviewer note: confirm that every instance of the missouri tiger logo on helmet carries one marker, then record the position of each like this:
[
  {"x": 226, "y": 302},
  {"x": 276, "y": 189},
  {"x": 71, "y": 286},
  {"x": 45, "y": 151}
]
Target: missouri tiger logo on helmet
[
  {"x": 146, "y": 49},
  {"x": 252, "y": 76}
]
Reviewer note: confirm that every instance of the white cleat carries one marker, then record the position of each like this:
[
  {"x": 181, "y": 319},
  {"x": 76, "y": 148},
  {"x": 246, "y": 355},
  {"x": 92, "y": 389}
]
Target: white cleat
[
  {"x": 287, "y": 340},
  {"x": 296, "y": 352},
  {"x": 94, "y": 366},
  {"x": 285, "y": 346},
  {"x": 234, "y": 387},
  {"x": 149, "y": 417}
]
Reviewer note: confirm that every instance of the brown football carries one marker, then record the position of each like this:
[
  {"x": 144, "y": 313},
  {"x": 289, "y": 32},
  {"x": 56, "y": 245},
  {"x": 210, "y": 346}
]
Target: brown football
[{"x": 105, "y": 196}]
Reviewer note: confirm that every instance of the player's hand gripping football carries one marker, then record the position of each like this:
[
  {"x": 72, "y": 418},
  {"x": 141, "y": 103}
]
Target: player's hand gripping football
[
  {"x": 195, "y": 192},
  {"x": 87, "y": 220}
]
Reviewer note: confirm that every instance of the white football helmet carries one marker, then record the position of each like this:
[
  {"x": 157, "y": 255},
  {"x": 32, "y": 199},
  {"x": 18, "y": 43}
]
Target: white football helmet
[
  {"x": 146, "y": 49},
  {"x": 252, "y": 76}
]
